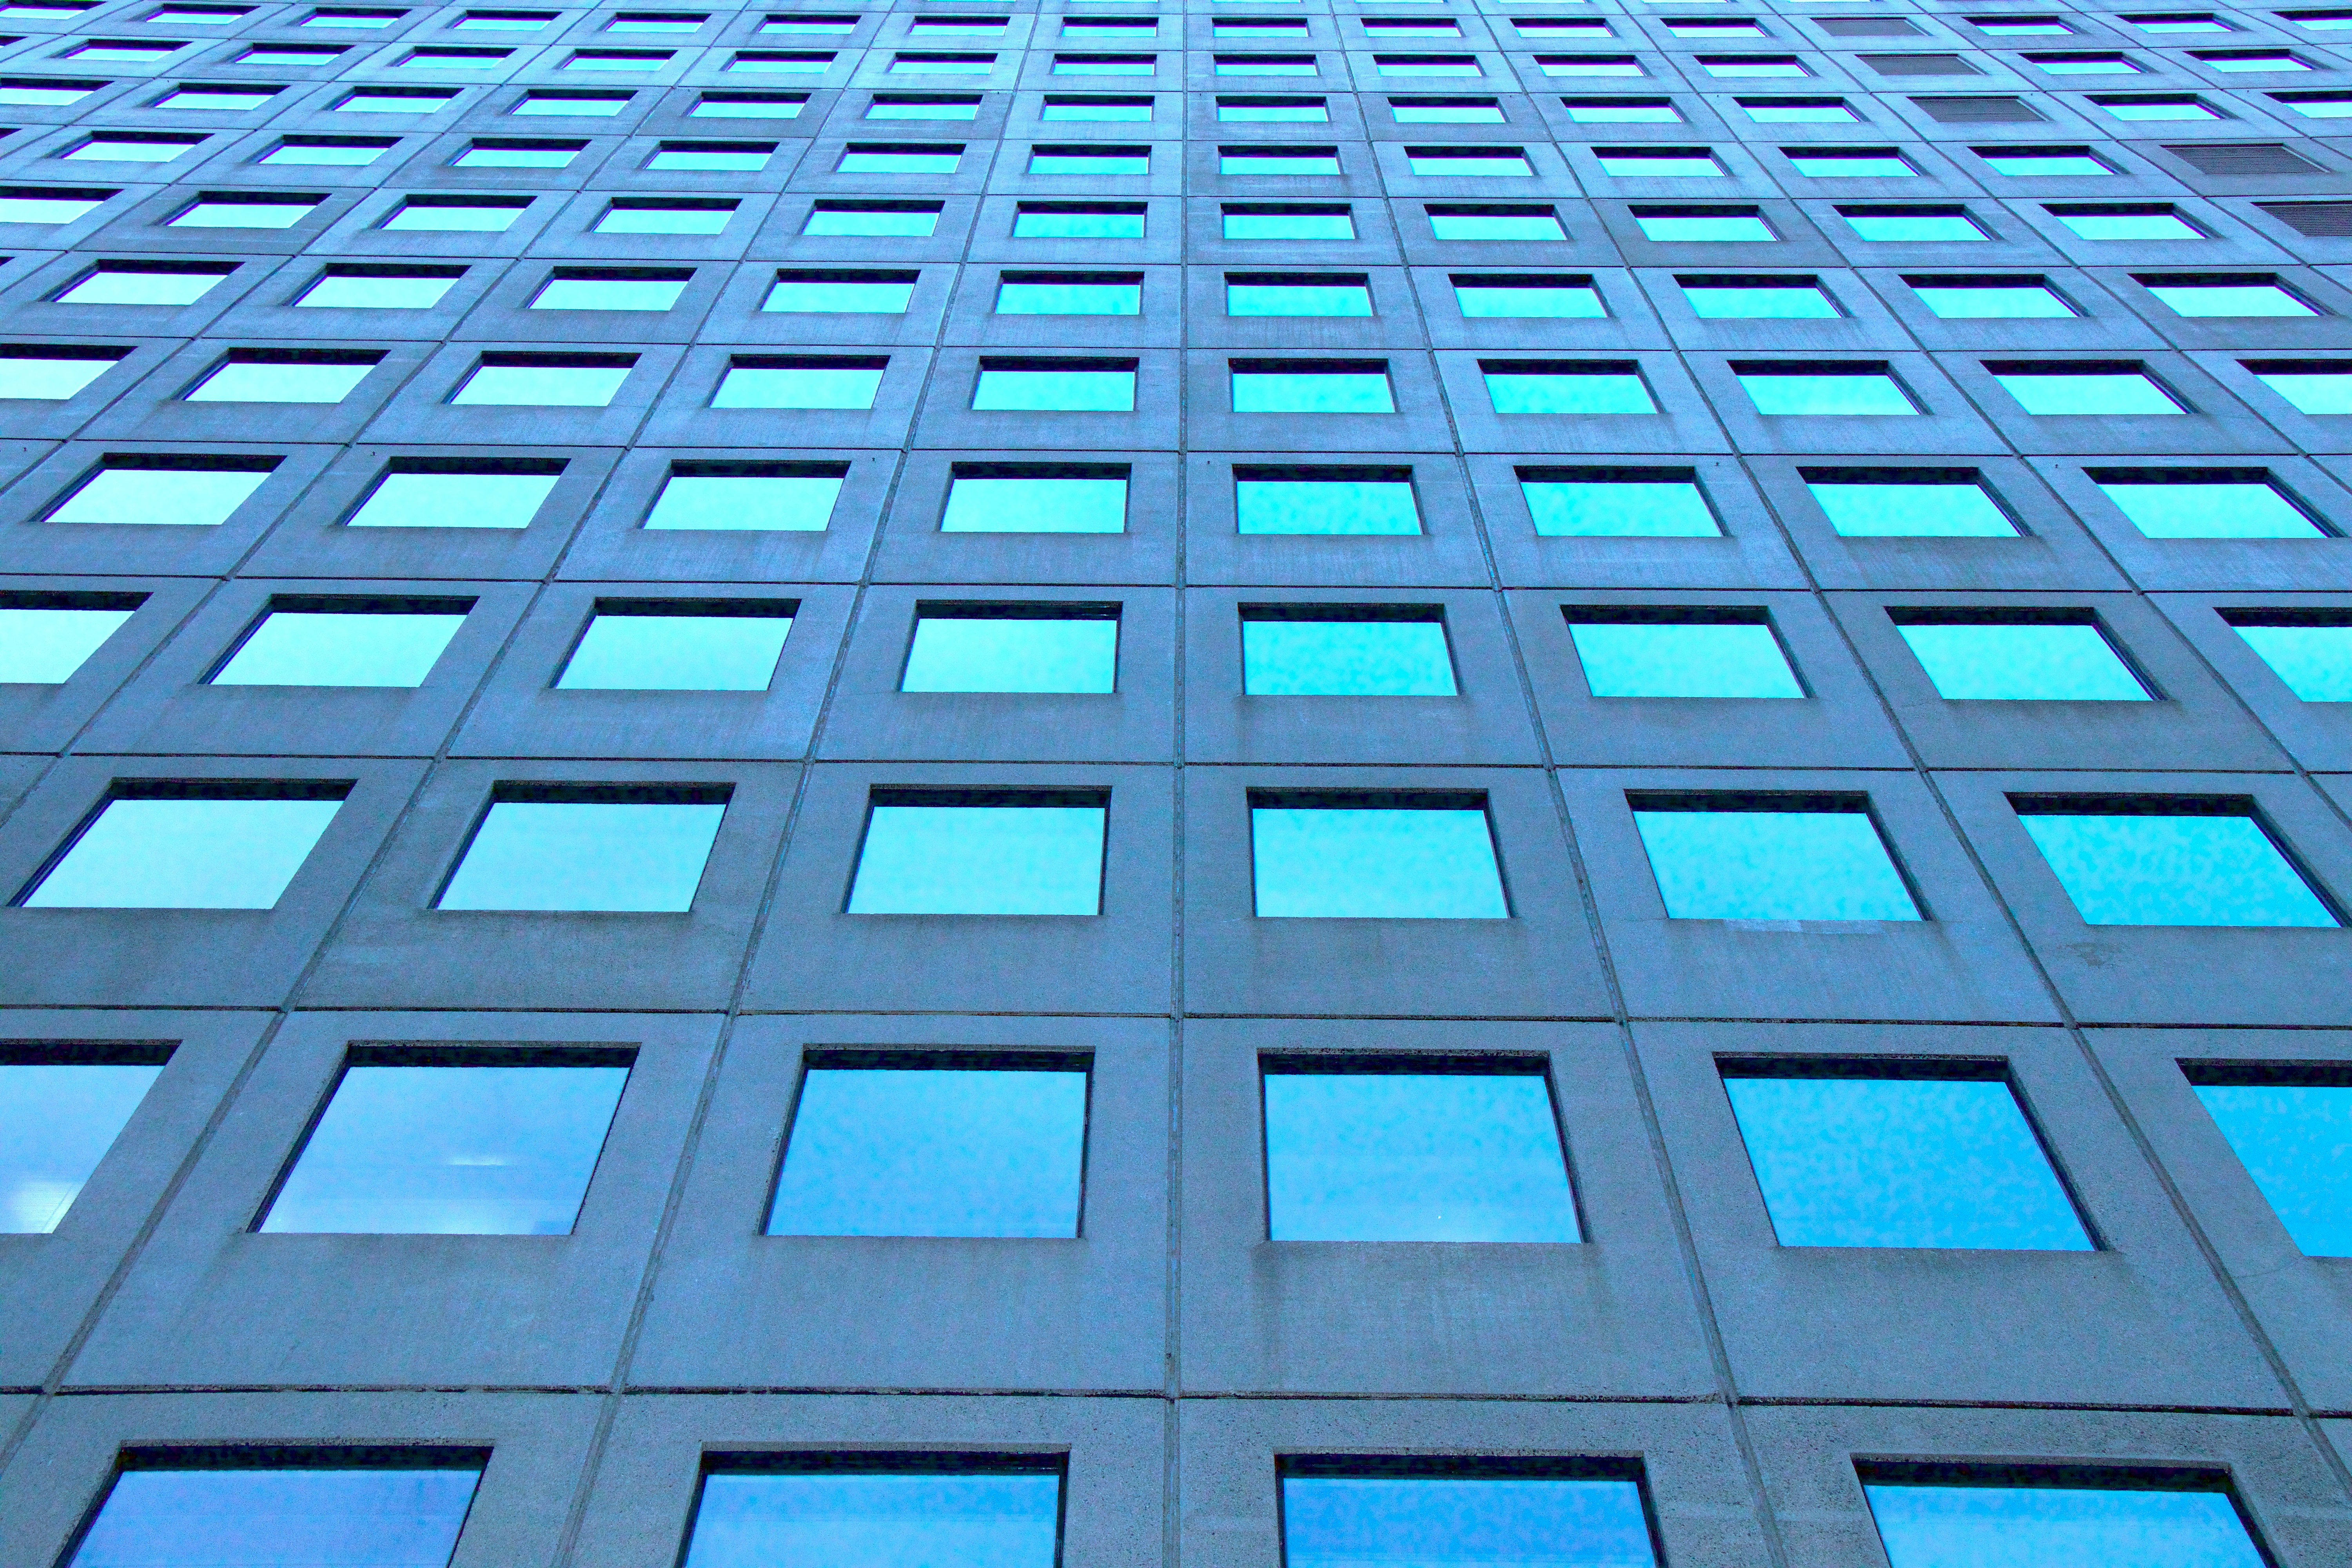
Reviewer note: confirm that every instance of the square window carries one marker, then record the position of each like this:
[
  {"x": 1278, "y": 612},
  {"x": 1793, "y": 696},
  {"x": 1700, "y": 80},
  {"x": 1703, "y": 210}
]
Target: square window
[
  {"x": 455, "y": 215},
  {"x": 2291, "y": 1127},
  {"x": 1909, "y": 504},
  {"x": 1311, "y": 386},
  {"x": 1254, "y": 222},
  {"x": 1103, "y": 161},
  {"x": 960, "y": 1509},
  {"x": 1395, "y": 1155},
  {"x": 1105, "y": 65},
  {"x": 1566, "y": 386},
  {"x": 1839, "y": 391},
  {"x": 679, "y": 644},
  {"x": 545, "y": 381},
  {"x": 1027, "y": 648},
  {"x": 796, "y": 381},
  {"x": 981, "y": 852},
  {"x": 2218, "y": 294},
  {"x": 611, "y": 288},
  {"x": 1468, "y": 162},
  {"x": 332, "y": 642},
  {"x": 246, "y": 212},
  {"x": 1706, "y": 226},
  {"x": 333, "y": 151},
  {"x": 1770, "y": 858},
  {"x": 592, "y": 105},
  {"x": 1850, "y": 163},
  {"x": 1267, "y": 160},
  {"x": 162, "y": 491},
  {"x": 761, "y": 106},
  {"x": 1914, "y": 225},
  {"x": 1758, "y": 299},
  {"x": 614, "y": 848},
  {"x": 426, "y": 492},
  {"x": 126, "y": 147},
  {"x": 796, "y": 498},
  {"x": 1890, "y": 1154},
  {"x": 1345, "y": 650},
  {"x": 1798, "y": 111},
  {"x": 452, "y": 1141},
  {"x": 1297, "y": 294},
  {"x": 2140, "y": 860},
  {"x": 517, "y": 155},
  {"x": 835, "y": 292},
  {"x": 2190, "y": 503},
  {"x": 2084, "y": 65},
  {"x": 1991, "y": 298},
  {"x": 890, "y": 158},
  {"x": 2043, "y": 162},
  {"x": 44, "y": 637},
  {"x": 1539, "y": 295},
  {"x": 2318, "y": 388},
  {"x": 2188, "y": 1523},
  {"x": 901, "y": 1147},
  {"x": 395, "y": 101},
  {"x": 1324, "y": 500},
  {"x": 1078, "y": 220},
  {"x": 373, "y": 1506},
  {"x": 2147, "y": 109},
  {"x": 39, "y": 372},
  {"x": 1425, "y": 855},
  {"x": 2014, "y": 656},
  {"x": 261, "y": 375},
  {"x": 2061, "y": 390},
  {"x": 712, "y": 157},
  {"x": 2125, "y": 222},
  {"x": 1013, "y": 497},
  {"x": 1442, "y": 111},
  {"x": 1620, "y": 111},
  {"x": 1563, "y": 1512},
  {"x": 64, "y": 1106},
  {"x": 1658, "y": 163},
  {"x": 144, "y": 283},
  {"x": 234, "y": 844},
  {"x": 2310, "y": 650},
  {"x": 1617, "y": 503},
  {"x": 1040, "y": 385},
  {"x": 1097, "y": 108},
  {"x": 1069, "y": 294},
  {"x": 1665, "y": 651},
  {"x": 890, "y": 220}
]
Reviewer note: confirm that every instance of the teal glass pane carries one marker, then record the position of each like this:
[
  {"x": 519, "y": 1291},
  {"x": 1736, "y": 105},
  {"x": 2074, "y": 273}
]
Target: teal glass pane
[
  {"x": 319, "y": 1517},
  {"x": 1444, "y": 113},
  {"x": 618, "y": 219},
  {"x": 876, "y": 223},
  {"x": 178, "y": 498},
  {"x": 1466, "y": 165},
  {"x": 46, "y": 209},
  {"x": 1289, "y": 226},
  {"x": 980, "y": 861},
  {"x": 2062, "y": 394},
  {"x": 185, "y": 855},
  {"x": 608, "y": 293},
  {"x": 1953, "y": 511},
  {"x": 2221, "y": 509},
  {"x": 1374, "y": 863},
  {"x": 916, "y": 1152},
  {"x": 1264, "y": 65},
  {"x": 1069, "y": 298},
  {"x": 375, "y": 291},
  {"x": 1079, "y": 65},
  {"x": 2058, "y": 1527},
  {"x": 2320, "y": 393},
  {"x": 613, "y": 856},
  {"x": 1843, "y": 396},
  {"x": 1414, "y": 1523},
  {"x": 2045, "y": 165},
  {"x": 446, "y": 218},
  {"x": 2321, "y": 106},
  {"x": 855, "y": 162},
  {"x": 1683, "y": 659},
  {"x": 1097, "y": 110},
  {"x": 62, "y": 1118},
  {"x": 781, "y": 502},
  {"x": 451, "y": 1151},
  {"x": 1365, "y": 1156},
  {"x": 706, "y": 160},
  {"x": 2315, "y": 662},
  {"x": 1668, "y": 165},
  {"x": 44, "y": 648},
  {"x": 261, "y": 381},
  {"x": 2127, "y": 226},
  {"x": 1012, "y": 653},
  {"x": 913, "y": 1520},
  {"x": 2023, "y": 664},
  {"x": 1915, "y": 228},
  {"x": 1704, "y": 227},
  {"x": 884, "y": 297},
  {"x": 1619, "y": 508},
  {"x": 47, "y": 379},
  {"x": 542, "y": 386},
  {"x": 1325, "y": 506},
  {"x": 454, "y": 500},
  {"x": 2085, "y": 65},
  {"x": 1773, "y": 865},
  {"x": 764, "y": 109},
  {"x": 1057, "y": 390},
  {"x": 1964, "y": 302},
  {"x": 1346, "y": 658},
  {"x": 1564, "y": 301},
  {"x": 1543, "y": 225},
  {"x": 1771, "y": 114},
  {"x": 798, "y": 386},
  {"x": 600, "y": 105},
  {"x": 2174, "y": 871},
  {"x": 1073, "y": 162},
  {"x": 1883, "y": 1161},
  {"x": 292, "y": 648},
  {"x": 2294, "y": 1141},
  {"x": 124, "y": 286},
  {"x": 1312, "y": 392},
  {"x": 2159, "y": 108},
  {"x": 1298, "y": 300},
  {"x": 1029, "y": 223},
  {"x": 327, "y": 153},
  {"x": 677, "y": 653},
  {"x": 1039, "y": 505},
  {"x": 1563, "y": 392},
  {"x": 1780, "y": 302}
]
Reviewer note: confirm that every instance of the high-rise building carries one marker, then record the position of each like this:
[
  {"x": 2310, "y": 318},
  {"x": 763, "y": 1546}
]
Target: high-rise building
[{"x": 1168, "y": 783}]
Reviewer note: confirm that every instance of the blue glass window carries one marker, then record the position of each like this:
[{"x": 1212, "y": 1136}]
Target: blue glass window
[
  {"x": 1254, "y": 222},
  {"x": 322, "y": 646},
  {"x": 1062, "y": 220},
  {"x": 62, "y": 1107},
  {"x": 1643, "y": 652},
  {"x": 1276, "y": 386},
  {"x": 545, "y": 381},
  {"x": 189, "y": 846},
  {"x": 43, "y": 645},
  {"x": 2125, "y": 222},
  {"x": 789, "y": 496},
  {"x": 1990, "y": 298},
  {"x": 136, "y": 489},
  {"x": 1566, "y": 386},
  {"x": 2059, "y": 390},
  {"x": 1333, "y": 501},
  {"x": 792, "y": 381},
  {"x": 2154, "y": 861},
  {"x": 1717, "y": 227},
  {"x": 249, "y": 376},
  {"x": 2291, "y": 1127},
  {"x": 1099, "y": 109},
  {"x": 2185, "y": 503},
  {"x": 481, "y": 1143},
  {"x": 51, "y": 374},
  {"x": 142, "y": 283},
  {"x": 648, "y": 215},
  {"x": 2318, "y": 388},
  {"x": 885, "y": 158},
  {"x": 1345, "y": 650},
  {"x": 1811, "y": 858},
  {"x": 1927, "y": 504},
  {"x": 1591, "y": 1517},
  {"x": 1494, "y": 222},
  {"x": 1758, "y": 299},
  {"x": 2221, "y": 294},
  {"x": 906, "y": 1148},
  {"x": 1876, "y": 1154},
  {"x": 1986, "y": 656},
  {"x": 2311, "y": 652},
  {"x": 1100, "y": 160},
  {"x": 988, "y": 1515},
  {"x": 1914, "y": 225},
  {"x": 1868, "y": 392},
  {"x": 412, "y": 494},
  {"x": 873, "y": 220},
  {"x": 364, "y": 288},
  {"x": 974, "y": 853},
  {"x": 1396, "y": 1154},
  {"x": 984, "y": 500},
  {"x": 1618, "y": 504},
  {"x": 1424, "y": 857},
  {"x": 1062, "y": 387},
  {"x": 2076, "y": 1522},
  {"x": 1020, "y": 648},
  {"x": 1273, "y": 111},
  {"x": 1511, "y": 295},
  {"x": 1070, "y": 294},
  {"x": 679, "y": 644},
  {"x": 1288, "y": 294},
  {"x": 323, "y": 1510},
  {"x": 617, "y": 848},
  {"x": 579, "y": 289}
]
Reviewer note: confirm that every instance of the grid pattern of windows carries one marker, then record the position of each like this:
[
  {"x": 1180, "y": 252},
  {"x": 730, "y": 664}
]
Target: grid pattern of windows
[{"x": 1551, "y": 783}]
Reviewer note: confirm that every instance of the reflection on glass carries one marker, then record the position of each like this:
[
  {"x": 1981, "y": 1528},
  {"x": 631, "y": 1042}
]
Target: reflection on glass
[
  {"x": 2004, "y": 1526},
  {"x": 1012, "y": 653},
  {"x": 2037, "y": 662},
  {"x": 1863, "y": 394},
  {"x": 784, "y": 502},
  {"x": 1332, "y": 1521},
  {"x": 610, "y": 856},
  {"x": 1959, "y": 508},
  {"x": 403, "y": 499},
  {"x": 980, "y": 861},
  {"x": 1683, "y": 659},
  {"x": 2296, "y": 1142},
  {"x": 318, "y": 1517},
  {"x": 922, "y": 1152},
  {"x": 1619, "y": 508},
  {"x": 1985, "y": 302},
  {"x": 842, "y": 1519},
  {"x": 44, "y": 648},
  {"x": 2315, "y": 660},
  {"x": 184, "y": 854},
  {"x": 884, "y": 295},
  {"x": 542, "y": 386},
  {"x": 1312, "y": 392},
  {"x": 1059, "y": 391},
  {"x": 1343, "y": 656},
  {"x": 160, "y": 496},
  {"x": 2221, "y": 509},
  {"x": 1375, "y": 863},
  {"x": 1772, "y": 864},
  {"x": 1402, "y": 1156},
  {"x": 293, "y": 648},
  {"x": 2174, "y": 870},
  {"x": 340, "y": 291},
  {"x": 58, "y": 1118},
  {"x": 1602, "y": 389},
  {"x": 2060, "y": 393},
  {"x": 635, "y": 651},
  {"x": 1759, "y": 302},
  {"x": 1326, "y": 506},
  {"x": 1024, "y": 504}
]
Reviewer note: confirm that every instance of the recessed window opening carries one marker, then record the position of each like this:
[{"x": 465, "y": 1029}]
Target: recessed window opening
[
  {"x": 1004, "y": 1510},
  {"x": 1037, "y": 498},
  {"x": 162, "y": 490},
  {"x": 46, "y": 634},
  {"x": 1681, "y": 651},
  {"x": 1069, "y": 294},
  {"x": 1297, "y": 294},
  {"x": 1264, "y": 220},
  {"x": 2309, "y": 650},
  {"x": 2095, "y": 1513},
  {"x": 2289, "y": 1125},
  {"x": 1766, "y": 297},
  {"x": 1546, "y": 295},
  {"x": 1566, "y": 386},
  {"x": 545, "y": 381},
  {"x": 588, "y": 848},
  {"x": 1056, "y": 385},
  {"x": 841, "y": 291},
  {"x": 1311, "y": 386},
  {"x": 890, "y": 220},
  {"x": 1983, "y": 297},
  {"x": 53, "y": 372},
  {"x": 144, "y": 283},
  {"x": 1730, "y": 855},
  {"x": 1617, "y": 503},
  {"x": 679, "y": 645},
  {"x": 1689, "y": 225},
  {"x": 285, "y": 375},
  {"x": 350, "y": 640},
  {"x": 612, "y": 288},
  {"x": 1355, "y": 1510},
  {"x": 2085, "y": 388},
  {"x": 2209, "y": 503},
  {"x": 172, "y": 844},
  {"x": 2172, "y": 860},
  {"x": 1445, "y": 111},
  {"x": 378, "y": 1504},
  {"x": 1845, "y": 389},
  {"x": 1020, "y": 852},
  {"x": 2005, "y": 654},
  {"x": 1025, "y": 647},
  {"x": 1915, "y": 225},
  {"x": 64, "y": 1104},
  {"x": 1345, "y": 650},
  {"x": 1314, "y": 500},
  {"x": 1374, "y": 855},
  {"x": 748, "y": 496},
  {"x": 801, "y": 380},
  {"x": 1898, "y": 503},
  {"x": 1078, "y": 220}
]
